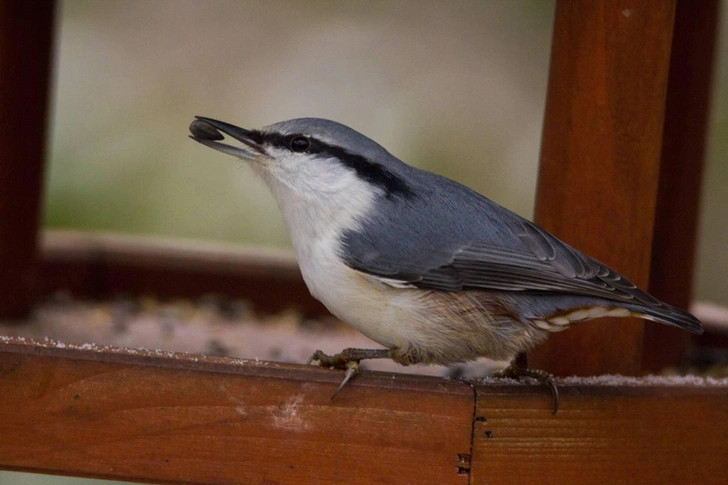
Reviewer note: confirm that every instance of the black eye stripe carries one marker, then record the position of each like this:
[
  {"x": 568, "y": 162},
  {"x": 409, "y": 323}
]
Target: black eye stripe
[
  {"x": 277, "y": 140},
  {"x": 374, "y": 173}
]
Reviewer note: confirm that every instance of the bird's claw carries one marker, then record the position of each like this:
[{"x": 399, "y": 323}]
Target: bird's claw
[
  {"x": 316, "y": 356},
  {"x": 337, "y": 361},
  {"x": 514, "y": 372},
  {"x": 352, "y": 367},
  {"x": 347, "y": 359}
]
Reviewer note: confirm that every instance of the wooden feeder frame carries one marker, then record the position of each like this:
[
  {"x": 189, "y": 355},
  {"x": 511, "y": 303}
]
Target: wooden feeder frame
[{"x": 622, "y": 157}]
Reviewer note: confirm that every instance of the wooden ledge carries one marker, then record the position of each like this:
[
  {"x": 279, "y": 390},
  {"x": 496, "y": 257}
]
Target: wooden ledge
[
  {"x": 103, "y": 265},
  {"x": 602, "y": 434},
  {"x": 176, "y": 418},
  {"x": 154, "y": 416}
]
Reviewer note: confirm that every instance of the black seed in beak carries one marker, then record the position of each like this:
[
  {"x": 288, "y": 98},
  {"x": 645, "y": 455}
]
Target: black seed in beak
[{"x": 204, "y": 130}]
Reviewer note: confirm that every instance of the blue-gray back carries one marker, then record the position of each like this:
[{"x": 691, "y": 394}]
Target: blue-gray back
[{"x": 448, "y": 237}]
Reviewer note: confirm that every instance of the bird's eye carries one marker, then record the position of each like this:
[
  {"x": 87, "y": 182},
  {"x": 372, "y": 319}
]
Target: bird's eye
[{"x": 300, "y": 144}]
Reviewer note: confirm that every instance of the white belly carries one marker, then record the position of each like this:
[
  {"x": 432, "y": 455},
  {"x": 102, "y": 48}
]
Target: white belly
[
  {"x": 315, "y": 225},
  {"x": 350, "y": 296}
]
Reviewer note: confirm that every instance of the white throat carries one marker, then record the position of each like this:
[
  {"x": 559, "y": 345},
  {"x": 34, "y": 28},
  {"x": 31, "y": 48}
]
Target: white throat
[{"x": 317, "y": 208}]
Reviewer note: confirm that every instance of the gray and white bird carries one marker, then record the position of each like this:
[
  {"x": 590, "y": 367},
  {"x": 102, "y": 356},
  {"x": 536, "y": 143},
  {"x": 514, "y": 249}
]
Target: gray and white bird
[{"x": 426, "y": 267}]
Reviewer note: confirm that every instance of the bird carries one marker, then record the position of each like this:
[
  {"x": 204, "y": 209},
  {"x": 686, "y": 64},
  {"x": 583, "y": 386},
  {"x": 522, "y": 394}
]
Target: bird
[{"x": 428, "y": 268}]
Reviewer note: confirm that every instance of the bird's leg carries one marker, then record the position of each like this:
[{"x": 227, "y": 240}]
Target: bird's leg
[
  {"x": 347, "y": 359},
  {"x": 514, "y": 371}
]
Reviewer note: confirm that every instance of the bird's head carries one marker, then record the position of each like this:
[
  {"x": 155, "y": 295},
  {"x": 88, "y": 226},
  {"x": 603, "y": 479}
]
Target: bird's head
[{"x": 310, "y": 158}]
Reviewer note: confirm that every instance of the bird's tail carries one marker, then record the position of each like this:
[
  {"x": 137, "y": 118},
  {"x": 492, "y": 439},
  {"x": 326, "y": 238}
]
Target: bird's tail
[{"x": 669, "y": 315}]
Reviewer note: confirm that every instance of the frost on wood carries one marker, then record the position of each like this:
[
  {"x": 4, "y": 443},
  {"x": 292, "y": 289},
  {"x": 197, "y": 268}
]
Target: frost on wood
[
  {"x": 48, "y": 343},
  {"x": 619, "y": 380}
]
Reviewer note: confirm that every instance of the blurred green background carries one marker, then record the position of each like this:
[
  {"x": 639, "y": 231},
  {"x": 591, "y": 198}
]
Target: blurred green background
[{"x": 453, "y": 87}]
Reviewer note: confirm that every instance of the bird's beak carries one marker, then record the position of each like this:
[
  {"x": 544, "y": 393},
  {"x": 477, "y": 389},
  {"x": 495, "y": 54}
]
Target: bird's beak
[{"x": 208, "y": 132}]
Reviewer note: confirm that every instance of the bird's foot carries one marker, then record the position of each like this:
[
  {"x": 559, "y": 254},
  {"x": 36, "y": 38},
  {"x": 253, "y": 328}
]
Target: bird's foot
[
  {"x": 514, "y": 371},
  {"x": 347, "y": 359}
]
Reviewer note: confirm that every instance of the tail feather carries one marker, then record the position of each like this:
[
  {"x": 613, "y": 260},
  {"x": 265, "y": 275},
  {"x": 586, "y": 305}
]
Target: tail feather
[
  {"x": 670, "y": 315},
  {"x": 555, "y": 313}
]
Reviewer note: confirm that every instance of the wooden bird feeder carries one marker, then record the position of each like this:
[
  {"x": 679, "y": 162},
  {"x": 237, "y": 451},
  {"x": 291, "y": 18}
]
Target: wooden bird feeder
[{"x": 622, "y": 151}]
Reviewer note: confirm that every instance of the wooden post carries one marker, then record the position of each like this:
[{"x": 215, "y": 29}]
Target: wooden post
[
  {"x": 25, "y": 47},
  {"x": 600, "y": 160},
  {"x": 681, "y": 170}
]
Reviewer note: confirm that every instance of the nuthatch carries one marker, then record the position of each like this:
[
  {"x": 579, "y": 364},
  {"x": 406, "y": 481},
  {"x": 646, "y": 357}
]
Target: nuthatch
[{"x": 426, "y": 267}]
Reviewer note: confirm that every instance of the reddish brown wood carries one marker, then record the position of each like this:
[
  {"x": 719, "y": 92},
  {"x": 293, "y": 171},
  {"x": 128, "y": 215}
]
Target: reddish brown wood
[
  {"x": 25, "y": 48},
  {"x": 601, "y": 435},
  {"x": 103, "y": 265},
  {"x": 600, "y": 157},
  {"x": 681, "y": 170},
  {"x": 174, "y": 418},
  {"x": 189, "y": 419}
]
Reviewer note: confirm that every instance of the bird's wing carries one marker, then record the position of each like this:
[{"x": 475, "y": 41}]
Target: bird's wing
[
  {"x": 541, "y": 263},
  {"x": 458, "y": 240},
  {"x": 548, "y": 265}
]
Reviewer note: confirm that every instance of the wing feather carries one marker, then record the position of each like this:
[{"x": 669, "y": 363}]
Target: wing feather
[
  {"x": 451, "y": 239},
  {"x": 542, "y": 264}
]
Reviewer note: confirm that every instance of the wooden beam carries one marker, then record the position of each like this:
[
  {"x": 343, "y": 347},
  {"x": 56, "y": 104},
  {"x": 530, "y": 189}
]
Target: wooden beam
[
  {"x": 602, "y": 434},
  {"x": 156, "y": 416},
  {"x": 172, "y": 418},
  {"x": 600, "y": 160},
  {"x": 106, "y": 265},
  {"x": 681, "y": 173},
  {"x": 25, "y": 50}
]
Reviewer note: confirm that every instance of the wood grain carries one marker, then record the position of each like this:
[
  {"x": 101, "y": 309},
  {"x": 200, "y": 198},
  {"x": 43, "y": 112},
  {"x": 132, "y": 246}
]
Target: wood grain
[
  {"x": 106, "y": 265},
  {"x": 601, "y": 435},
  {"x": 681, "y": 174},
  {"x": 26, "y": 29},
  {"x": 176, "y": 418},
  {"x": 600, "y": 159}
]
